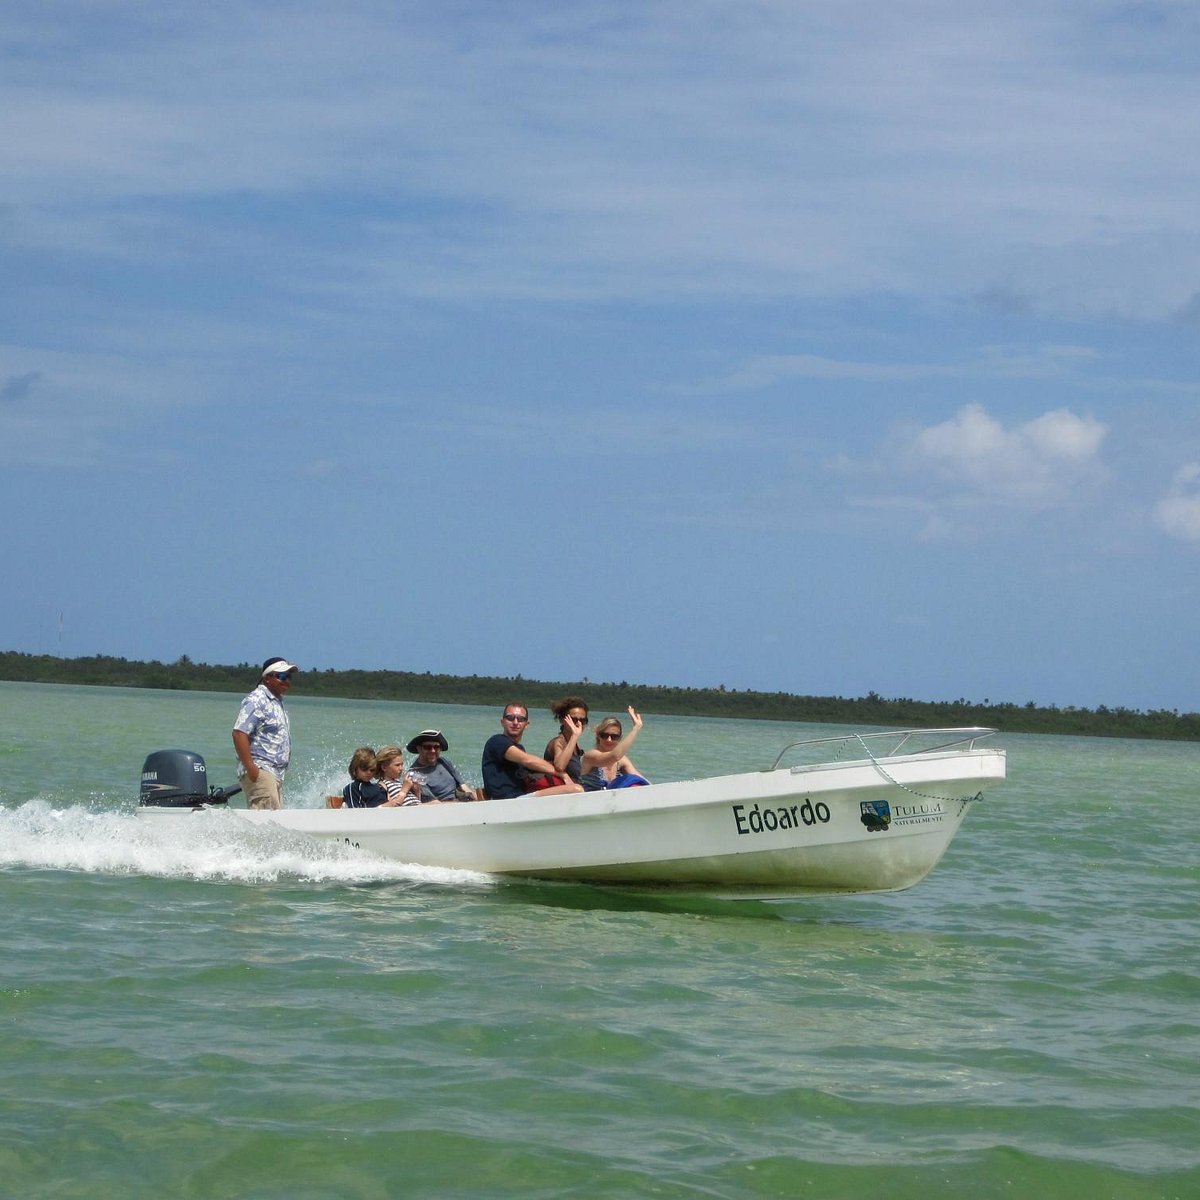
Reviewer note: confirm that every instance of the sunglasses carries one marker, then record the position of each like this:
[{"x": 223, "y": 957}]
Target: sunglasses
[
  {"x": 609, "y": 736},
  {"x": 282, "y": 676},
  {"x": 514, "y": 717}
]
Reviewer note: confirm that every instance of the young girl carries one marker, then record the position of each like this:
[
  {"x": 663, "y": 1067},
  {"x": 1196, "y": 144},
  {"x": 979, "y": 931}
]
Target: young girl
[{"x": 389, "y": 767}]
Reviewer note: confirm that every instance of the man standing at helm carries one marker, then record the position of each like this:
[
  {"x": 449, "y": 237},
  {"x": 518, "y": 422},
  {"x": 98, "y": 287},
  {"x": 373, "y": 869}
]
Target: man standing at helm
[{"x": 262, "y": 736}]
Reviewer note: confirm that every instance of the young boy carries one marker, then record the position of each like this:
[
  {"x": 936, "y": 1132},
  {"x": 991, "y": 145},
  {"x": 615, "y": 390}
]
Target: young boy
[{"x": 362, "y": 791}]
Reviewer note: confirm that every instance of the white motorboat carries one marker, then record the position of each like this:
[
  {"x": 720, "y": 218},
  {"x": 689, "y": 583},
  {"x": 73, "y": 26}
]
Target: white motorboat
[{"x": 877, "y": 815}]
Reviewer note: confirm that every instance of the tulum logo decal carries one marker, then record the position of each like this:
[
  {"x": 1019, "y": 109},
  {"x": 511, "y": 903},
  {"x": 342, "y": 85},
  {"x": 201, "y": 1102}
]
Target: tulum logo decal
[
  {"x": 927, "y": 811},
  {"x": 876, "y": 815}
]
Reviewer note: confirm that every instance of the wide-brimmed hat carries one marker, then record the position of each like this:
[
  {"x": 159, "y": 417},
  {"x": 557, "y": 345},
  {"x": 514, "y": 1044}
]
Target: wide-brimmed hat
[
  {"x": 277, "y": 666},
  {"x": 427, "y": 735}
]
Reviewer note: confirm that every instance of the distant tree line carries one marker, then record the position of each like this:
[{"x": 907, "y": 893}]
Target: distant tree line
[{"x": 872, "y": 709}]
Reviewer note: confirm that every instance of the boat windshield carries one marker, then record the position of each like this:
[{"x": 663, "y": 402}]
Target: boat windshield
[{"x": 885, "y": 743}]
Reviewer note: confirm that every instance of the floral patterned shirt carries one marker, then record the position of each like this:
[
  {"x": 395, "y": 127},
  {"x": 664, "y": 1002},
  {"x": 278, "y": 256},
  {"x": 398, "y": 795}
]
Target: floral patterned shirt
[{"x": 264, "y": 720}]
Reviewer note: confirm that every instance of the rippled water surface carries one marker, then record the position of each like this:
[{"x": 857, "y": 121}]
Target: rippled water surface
[{"x": 218, "y": 1012}]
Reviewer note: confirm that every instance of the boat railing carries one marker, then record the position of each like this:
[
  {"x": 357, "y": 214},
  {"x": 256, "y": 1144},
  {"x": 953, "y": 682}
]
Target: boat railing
[{"x": 892, "y": 742}]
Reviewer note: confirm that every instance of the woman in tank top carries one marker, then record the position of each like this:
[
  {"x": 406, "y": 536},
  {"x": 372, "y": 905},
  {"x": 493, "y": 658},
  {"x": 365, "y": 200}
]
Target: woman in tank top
[
  {"x": 563, "y": 751},
  {"x": 608, "y": 764}
]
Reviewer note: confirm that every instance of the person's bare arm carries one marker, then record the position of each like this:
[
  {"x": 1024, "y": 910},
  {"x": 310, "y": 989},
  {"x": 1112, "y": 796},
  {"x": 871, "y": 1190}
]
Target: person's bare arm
[
  {"x": 562, "y": 756},
  {"x": 241, "y": 746},
  {"x": 523, "y": 758}
]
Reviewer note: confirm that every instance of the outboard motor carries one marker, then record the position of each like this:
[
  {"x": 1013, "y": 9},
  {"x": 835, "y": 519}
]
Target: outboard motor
[{"x": 179, "y": 779}]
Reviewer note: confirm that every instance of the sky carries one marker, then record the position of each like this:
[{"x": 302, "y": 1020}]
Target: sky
[{"x": 821, "y": 347}]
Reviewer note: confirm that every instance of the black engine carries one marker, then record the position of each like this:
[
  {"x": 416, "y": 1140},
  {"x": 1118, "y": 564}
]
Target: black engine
[{"x": 179, "y": 779}]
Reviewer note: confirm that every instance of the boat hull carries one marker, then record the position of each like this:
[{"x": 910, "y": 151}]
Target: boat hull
[{"x": 875, "y": 825}]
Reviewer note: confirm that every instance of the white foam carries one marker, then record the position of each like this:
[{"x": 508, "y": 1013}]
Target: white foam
[{"x": 214, "y": 846}]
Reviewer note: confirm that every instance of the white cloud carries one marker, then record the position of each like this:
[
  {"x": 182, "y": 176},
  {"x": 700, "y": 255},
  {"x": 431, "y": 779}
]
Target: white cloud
[
  {"x": 1035, "y": 463},
  {"x": 1178, "y": 514},
  {"x": 1061, "y": 435}
]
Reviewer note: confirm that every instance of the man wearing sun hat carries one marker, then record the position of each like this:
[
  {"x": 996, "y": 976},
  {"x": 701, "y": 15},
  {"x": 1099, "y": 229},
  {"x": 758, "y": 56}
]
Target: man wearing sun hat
[
  {"x": 262, "y": 736},
  {"x": 437, "y": 777}
]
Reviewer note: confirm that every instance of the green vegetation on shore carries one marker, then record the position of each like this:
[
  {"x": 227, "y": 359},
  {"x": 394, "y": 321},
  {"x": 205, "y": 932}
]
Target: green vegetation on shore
[{"x": 185, "y": 675}]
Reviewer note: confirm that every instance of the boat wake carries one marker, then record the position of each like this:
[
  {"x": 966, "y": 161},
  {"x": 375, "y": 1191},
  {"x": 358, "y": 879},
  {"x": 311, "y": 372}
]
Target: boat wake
[{"x": 216, "y": 846}]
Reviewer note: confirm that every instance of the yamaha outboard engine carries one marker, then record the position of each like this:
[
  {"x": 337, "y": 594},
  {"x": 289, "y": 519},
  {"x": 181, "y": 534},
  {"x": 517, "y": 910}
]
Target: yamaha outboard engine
[{"x": 179, "y": 779}]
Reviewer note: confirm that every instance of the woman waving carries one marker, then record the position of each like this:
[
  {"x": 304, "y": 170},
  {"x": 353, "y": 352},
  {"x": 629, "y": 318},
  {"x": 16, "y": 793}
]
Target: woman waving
[{"x": 608, "y": 765}]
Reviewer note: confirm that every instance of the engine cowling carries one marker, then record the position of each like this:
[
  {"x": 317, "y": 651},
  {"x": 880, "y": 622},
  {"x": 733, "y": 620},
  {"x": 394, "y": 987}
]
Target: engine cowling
[{"x": 179, "y": 779}]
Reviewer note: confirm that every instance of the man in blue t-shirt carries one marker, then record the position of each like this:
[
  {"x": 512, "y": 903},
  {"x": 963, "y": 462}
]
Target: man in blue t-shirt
[{"x": 507, "y": 765}]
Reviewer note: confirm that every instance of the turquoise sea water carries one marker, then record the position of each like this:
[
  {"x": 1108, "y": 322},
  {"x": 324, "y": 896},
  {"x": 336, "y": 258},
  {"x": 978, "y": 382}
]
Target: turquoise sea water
[{"x": 252, "y": 1015}]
